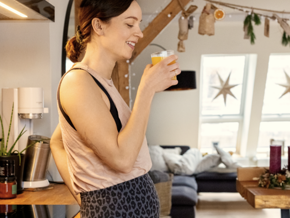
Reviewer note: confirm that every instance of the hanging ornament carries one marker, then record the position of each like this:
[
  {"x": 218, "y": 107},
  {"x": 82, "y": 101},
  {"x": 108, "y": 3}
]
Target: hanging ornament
[
  {"x": 206, "y": 21},
  {"x": 224, "y": 88},
  {"x": 180, "y": 46},
  {"x": 183, "y": 26},
  {"x": 190, "y": 22},
  {"x": 287, "y": 86},
  {"x": 285, "y": 26},
  {"x": 267, "y": 27},
  {"x": 219, "y": 14}
]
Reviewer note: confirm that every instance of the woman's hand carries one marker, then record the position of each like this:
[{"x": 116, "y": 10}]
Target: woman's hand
[{"x": 159, "y": 77}]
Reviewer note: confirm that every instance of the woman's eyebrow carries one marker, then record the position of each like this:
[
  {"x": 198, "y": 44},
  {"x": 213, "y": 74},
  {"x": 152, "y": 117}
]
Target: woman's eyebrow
[{"x": 135, "y": 18}]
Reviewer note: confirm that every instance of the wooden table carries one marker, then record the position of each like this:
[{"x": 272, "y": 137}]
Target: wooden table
[
  {"x": 260, "y": 198},
  {"x": 58, "y": 195}
]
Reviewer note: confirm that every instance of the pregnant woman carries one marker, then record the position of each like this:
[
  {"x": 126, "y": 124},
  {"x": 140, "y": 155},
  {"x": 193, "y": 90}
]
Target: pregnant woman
[{"x": 99, "y": 146}]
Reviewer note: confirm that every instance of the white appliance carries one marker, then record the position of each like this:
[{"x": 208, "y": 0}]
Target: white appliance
[{"x": 28, "y": 105}]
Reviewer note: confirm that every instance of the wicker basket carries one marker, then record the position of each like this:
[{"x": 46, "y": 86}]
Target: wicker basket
[{"x": 164, "y": 194}]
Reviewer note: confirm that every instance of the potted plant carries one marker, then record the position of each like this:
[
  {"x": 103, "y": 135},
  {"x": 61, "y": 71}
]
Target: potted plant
[{"x": 13, "y": 154}]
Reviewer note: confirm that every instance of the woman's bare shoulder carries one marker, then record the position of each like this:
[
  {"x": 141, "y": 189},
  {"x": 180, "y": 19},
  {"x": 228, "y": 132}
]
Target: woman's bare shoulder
[{"x": 78, "y": 87}]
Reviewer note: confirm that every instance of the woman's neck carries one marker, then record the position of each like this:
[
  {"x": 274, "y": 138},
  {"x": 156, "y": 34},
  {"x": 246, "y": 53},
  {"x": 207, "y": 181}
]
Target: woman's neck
[{"x": 99, "y": 60}]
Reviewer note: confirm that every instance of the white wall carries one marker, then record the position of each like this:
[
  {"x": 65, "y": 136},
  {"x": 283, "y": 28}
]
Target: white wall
[
  {"x": 171, "y": 123},
  {"x": 31, "y": 56},
  {"x": 25, "y": 61}
]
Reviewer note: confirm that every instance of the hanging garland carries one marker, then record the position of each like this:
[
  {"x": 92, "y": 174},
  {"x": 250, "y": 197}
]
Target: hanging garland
[{"x": 254, "y": 16}]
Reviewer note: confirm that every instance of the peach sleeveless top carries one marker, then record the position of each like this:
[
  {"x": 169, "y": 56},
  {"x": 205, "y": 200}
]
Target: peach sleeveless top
[{"x": 87, "y": 171}]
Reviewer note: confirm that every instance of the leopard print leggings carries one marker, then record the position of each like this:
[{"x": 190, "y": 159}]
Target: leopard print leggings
[{"x": 136, "y": 198}]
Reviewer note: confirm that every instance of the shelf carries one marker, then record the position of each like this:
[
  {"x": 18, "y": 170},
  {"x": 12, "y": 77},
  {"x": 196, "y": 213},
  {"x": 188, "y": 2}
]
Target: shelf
[{"x": 58, "y": 195}]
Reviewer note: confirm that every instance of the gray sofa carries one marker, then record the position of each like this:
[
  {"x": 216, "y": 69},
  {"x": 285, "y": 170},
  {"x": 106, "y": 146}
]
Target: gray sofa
[{"x": 185, "y": 189}]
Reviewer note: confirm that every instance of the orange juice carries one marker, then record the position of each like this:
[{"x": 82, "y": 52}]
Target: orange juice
[{"x": 159, "y": 56}]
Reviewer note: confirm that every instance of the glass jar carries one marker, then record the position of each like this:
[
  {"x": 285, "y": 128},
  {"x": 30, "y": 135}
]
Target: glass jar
[{"x": 8, "y": 184}]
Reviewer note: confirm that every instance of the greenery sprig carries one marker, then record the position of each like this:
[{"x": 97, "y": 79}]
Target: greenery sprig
[
  {"x": 4, "y": 147},
  {"x": 285, "y": 39},
  {"x": 248, "y": 23}
]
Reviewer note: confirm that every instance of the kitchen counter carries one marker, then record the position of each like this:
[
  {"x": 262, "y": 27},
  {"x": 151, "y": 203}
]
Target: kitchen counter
[{"x": 58, "y": 195}]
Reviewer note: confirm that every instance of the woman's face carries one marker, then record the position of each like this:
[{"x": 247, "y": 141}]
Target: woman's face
[{"x": 123, "y": 32}]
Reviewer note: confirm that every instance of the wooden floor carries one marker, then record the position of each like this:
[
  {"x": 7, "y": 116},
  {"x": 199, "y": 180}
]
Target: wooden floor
[{"x": 229, "y": 205}]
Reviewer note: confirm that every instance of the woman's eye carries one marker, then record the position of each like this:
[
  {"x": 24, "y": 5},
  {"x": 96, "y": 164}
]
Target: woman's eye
[{"x": 129, "y": 25}]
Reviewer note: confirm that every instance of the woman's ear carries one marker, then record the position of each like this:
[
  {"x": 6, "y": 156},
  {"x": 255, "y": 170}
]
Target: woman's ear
[{"x": 98, "y": 26}]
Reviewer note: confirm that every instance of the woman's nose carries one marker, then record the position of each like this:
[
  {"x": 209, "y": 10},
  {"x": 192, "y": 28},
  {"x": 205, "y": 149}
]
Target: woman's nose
[{"x": 139, "y": 33}]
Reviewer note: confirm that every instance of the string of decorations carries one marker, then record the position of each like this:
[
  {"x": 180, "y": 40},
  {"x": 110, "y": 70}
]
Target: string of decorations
[{"x": 253, "y": 16}]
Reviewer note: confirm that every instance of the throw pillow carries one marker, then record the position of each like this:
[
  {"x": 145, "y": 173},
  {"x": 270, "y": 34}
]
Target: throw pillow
[
  {"x": 226, "y": 158},
  {"x": 172, "y": 161},
  {"x": 176, "y": 150},
  {"x": 156, "y": 154},
  {"x": 183, "y": 164},
  {"x": 208, "y": 162}
]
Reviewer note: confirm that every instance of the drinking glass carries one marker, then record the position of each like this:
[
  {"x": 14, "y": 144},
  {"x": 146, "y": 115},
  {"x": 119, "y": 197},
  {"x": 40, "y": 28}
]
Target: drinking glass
[{"x": 159, "y": 56}]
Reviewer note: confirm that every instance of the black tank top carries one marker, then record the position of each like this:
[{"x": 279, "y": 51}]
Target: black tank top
[{"x": 113, "y": 108}]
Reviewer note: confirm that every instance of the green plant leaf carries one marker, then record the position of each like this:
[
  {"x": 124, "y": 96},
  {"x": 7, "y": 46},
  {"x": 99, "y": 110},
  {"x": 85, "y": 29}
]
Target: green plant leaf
[
  {"x": 8, "y": 135},
  {"x": 19, "y": 136},
  {"x": 247, "y": 20},
  {"x": 2, "y": 152},
  {"x": 28, "y": 146},
  {"x": 250, "y": 29},
  {"x": 253, "y": 37},
  {"x": 285, "y": 39},
  {"x": 256, "y": 19}
]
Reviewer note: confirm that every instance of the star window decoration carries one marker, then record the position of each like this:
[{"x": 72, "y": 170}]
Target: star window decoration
[
  {"x": 287, "y": 86},
  {"x": 224, "y": 88}
]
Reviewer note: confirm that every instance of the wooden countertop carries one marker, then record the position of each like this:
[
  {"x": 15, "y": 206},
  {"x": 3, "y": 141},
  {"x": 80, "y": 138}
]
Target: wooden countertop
[{"x": 58, "y": 195}]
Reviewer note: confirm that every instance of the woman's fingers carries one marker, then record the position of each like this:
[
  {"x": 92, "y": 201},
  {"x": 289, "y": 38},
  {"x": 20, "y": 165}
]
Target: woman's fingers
[
  {"x": 168, "y": 60},
  {"x": 175, "y": 73},
  {"x": 174, "y": 66}
]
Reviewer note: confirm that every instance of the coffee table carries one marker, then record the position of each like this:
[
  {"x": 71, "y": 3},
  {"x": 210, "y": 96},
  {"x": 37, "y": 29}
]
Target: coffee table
[{"x": 261, "y": 198}]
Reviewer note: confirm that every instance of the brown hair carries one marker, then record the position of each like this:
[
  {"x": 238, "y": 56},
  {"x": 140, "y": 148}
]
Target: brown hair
[{"x": 90, "y": 9}]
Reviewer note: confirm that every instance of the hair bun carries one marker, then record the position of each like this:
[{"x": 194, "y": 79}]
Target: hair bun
[{"x": 73, "y": 49}]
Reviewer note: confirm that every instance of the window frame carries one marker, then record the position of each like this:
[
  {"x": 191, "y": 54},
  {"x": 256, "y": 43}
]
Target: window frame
[
  {"x": 226, "y": 118},
  {"x": 278, "y": 117}
]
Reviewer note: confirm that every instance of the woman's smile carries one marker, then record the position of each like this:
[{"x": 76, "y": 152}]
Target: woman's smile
[{"x": 131, "y": 44}]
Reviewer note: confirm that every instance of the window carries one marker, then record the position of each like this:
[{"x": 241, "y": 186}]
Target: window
[
  {"x": 276, "y": 109},
  {"x": 221, "y": 122}
]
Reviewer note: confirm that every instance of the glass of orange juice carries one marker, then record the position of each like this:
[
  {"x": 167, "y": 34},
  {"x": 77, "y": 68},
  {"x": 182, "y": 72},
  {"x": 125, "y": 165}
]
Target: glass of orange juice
[{"x": 159, "y": 56}]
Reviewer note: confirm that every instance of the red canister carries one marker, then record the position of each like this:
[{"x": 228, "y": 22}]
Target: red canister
[{"x": 8, "y": 184}]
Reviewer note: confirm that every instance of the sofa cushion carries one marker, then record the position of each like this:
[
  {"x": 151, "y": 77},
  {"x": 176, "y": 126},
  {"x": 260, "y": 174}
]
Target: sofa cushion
[
  {"x": 184, "y": 181},
  {"x": 226, "y": 158},
  {"x": 216, "y": 176},
  {"x": 158, "y": 176},
  {"x": 207, "y": 162},
  {"x": 184, "y": 148},
  {"x": 158, "y": 162},
  {"x": 183, "y": 164},
  {"x": 183, "y": 195}
]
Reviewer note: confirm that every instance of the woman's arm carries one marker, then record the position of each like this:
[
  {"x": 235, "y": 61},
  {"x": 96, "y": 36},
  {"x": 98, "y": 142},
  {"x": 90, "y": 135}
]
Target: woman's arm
[
  {"x": 82, "y": 100},
  {"x": 60, "y": 158}
]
